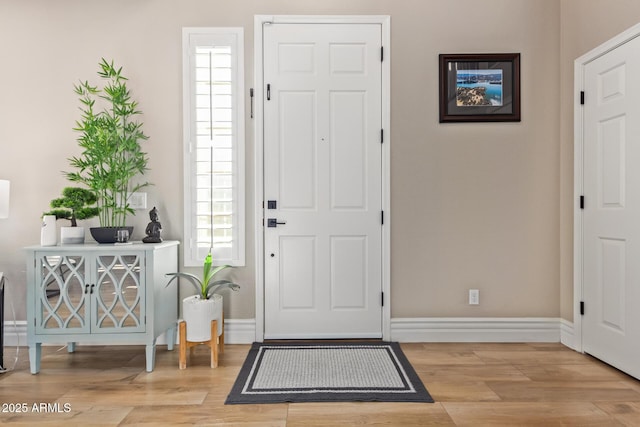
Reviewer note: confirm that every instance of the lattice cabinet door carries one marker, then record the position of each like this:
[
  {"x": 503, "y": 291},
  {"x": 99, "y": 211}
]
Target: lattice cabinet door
[
  {"x": 62, "y": 293},
  {"x": 118, "y": 302}
]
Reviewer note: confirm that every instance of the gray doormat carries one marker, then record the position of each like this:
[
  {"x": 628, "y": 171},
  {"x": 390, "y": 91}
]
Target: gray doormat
[{"x": 327, "y": 372}]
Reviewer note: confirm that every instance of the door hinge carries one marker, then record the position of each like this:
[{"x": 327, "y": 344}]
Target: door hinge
[
  {"x": 581, "y": 97},
  {"x": 268, "y": 92},
  {"x": 581, "y": 202},
  {"x": 382, "y": 299},
  {"x": 582, "y": 308},
  {"x": 381, "y": 53},
  {"x": 381, "y": 136},
  {"x": 382, "y": 217}
]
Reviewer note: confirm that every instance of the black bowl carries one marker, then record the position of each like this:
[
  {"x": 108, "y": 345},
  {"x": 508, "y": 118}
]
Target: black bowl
[{"x": 108, "y": 234}]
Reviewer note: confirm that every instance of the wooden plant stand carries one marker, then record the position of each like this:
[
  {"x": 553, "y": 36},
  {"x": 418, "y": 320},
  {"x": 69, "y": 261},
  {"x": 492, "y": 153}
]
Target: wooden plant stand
[{"x": 216, "y": 343}]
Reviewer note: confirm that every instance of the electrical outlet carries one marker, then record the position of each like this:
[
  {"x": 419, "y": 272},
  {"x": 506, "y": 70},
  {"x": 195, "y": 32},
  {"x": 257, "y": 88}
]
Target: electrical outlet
[
  {"x": 474, "y": 296},
  {"x": 138, "y": 200}
]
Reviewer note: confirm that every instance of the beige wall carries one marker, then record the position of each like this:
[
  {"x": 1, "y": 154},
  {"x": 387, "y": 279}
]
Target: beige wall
[
  {"x": 473, "y": 205},
  {"x": 585, "y": 24}
]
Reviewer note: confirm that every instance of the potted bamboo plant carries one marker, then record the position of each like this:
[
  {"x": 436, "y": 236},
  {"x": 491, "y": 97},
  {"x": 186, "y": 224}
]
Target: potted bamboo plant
[
  {"x": 75, "y": 204},
  {"x": 199, "y": 310},
  {"x": 112, "y": 156}
]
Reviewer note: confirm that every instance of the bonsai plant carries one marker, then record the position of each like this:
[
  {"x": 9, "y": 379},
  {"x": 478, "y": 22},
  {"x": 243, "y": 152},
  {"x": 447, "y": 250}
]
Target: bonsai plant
[
  {"x": 199, "y": 310},
  {"x": 110, "y": 139},
  {"x": 75, "y": 204}
]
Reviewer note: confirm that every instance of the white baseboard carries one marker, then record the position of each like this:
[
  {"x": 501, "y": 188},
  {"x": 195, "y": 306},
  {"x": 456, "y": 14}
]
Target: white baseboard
[
  {"x": 566, "y": 334},
  {"x": 437, "y": 329},
  {"x": 236, "y": 331},
  {"x": 464, "y": 329},
  {"x": 15, "y": 333},
  {"x": 239, "y": 331}
]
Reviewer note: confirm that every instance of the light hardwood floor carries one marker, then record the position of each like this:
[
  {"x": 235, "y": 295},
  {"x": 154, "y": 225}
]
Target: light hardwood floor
[{"x": 472, "y": 384}]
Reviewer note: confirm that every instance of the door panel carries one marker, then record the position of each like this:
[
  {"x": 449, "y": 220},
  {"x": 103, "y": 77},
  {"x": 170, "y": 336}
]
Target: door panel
[
  {"x": 297, "y": 278},
  {"x": 348, "y": 282},
  {"x": 323, "y": 166},
  {"x": 611, "y": 235},
  {"x": 349, "y": 174},
  {"x": 298, "y": 160},
  {"x": 611, "y": 145},
  {"x": 611, "y": 283},
  {"x": 348, "y": 58}
]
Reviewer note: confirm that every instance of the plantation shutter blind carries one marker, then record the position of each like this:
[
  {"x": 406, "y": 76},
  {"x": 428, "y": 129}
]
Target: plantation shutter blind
[{"x": 214, "y": 172}]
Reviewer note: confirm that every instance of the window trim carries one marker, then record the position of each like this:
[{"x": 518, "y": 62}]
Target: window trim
[{"x": 190, "y": 257}]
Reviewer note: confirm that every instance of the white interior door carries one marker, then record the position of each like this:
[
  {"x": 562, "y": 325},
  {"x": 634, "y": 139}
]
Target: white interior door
[
  {"x": 322, "y": 180},
  {"x": 611, "y": 236}
]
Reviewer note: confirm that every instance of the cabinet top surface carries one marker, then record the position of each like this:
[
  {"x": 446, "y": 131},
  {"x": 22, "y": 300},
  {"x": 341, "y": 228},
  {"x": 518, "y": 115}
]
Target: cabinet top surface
[{"x": 102, "y": 247}]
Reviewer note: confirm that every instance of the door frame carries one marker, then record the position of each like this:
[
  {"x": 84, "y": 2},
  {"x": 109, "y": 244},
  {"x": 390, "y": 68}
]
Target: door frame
[
  {"x": 578, "y": 171},
  {"x": 259, "y": 21}
]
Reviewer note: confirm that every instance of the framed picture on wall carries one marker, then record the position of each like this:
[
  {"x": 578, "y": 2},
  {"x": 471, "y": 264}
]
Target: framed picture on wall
[{"x": 481, "y": 87}]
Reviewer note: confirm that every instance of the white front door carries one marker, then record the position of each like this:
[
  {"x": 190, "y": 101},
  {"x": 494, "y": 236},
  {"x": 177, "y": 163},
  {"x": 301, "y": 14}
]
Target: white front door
[
  {"x": 611, "y": 235},
  {"x": 322, "y": 180}
]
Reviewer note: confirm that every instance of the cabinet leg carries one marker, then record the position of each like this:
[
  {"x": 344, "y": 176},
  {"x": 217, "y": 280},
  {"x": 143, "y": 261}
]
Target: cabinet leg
[
  {"x": 35, "y": 352},
  {"x": 171, "y": 337},
  {"x": 71, "y": 347},
  {"x": 151, "y": 356}
]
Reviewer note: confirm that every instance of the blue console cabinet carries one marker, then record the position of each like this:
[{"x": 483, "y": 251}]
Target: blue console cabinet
[{"x": 101, "y": 294}]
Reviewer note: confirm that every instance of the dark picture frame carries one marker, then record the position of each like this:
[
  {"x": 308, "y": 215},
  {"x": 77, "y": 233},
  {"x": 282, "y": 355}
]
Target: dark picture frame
[{"x": 480, "y": 87}]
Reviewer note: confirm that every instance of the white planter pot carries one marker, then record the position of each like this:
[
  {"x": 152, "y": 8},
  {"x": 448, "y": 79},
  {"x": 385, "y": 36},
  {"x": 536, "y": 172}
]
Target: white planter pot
[
  {"x": 71, "y": 235},
  {"x": 48, "y": 231},
  {"x": 199, "y": 313}
]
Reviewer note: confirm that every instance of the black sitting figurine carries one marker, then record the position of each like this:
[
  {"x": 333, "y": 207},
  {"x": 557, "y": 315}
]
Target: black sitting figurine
[{"x": 154, "y": 228}]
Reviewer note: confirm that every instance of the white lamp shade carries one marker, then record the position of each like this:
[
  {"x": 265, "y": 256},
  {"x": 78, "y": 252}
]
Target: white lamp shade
[{"x": 4, "y": 198}]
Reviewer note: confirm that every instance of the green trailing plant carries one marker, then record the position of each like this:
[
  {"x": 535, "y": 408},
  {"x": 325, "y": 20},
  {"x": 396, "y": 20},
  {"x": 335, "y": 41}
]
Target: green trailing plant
[
  {"x": 207, "y": 286},
  {"x": 110, "y": 139},
  {"x": 75, "y": 204}
]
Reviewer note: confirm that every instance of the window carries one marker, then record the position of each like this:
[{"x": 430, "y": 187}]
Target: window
[{"x": 213, "y": 145}]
